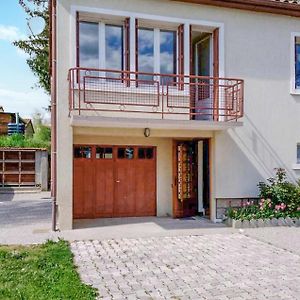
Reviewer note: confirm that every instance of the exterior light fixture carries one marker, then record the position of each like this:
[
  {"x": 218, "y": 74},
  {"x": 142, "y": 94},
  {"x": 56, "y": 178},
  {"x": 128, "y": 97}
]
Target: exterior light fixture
[{"x": 147, "y": 132}]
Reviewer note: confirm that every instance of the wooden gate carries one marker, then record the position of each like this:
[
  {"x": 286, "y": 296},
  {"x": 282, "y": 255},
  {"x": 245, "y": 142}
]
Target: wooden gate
[{"x": 114, "y": 181}]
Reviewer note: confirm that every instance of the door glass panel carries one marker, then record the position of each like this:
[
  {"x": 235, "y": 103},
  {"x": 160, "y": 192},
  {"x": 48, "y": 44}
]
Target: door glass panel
[
  {"x": 167, "y": 54},
  {"x": 146, "y": 53},
  {"x": 104, "y": 153},
  {"x": 126, "y": 153},
  {"x": 114, "y": 49},
  {"x": 82, "y": 152}
]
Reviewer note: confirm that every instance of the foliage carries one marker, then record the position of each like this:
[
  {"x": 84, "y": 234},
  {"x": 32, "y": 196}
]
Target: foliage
[
  {"x": 279, "y": 198},
  {"x": 37, "y": 46},
  {"x": 41, "y": 272},
  {"x": 20, "y": 141}
]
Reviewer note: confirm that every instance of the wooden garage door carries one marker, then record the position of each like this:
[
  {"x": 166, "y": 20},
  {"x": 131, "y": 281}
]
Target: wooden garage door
[{"x": 114, "y": 181}]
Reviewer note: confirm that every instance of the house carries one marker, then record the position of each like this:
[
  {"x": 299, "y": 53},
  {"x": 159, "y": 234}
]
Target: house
[
  {"x": 167, "y": 108},
  {"x": 8, "y": 118}
]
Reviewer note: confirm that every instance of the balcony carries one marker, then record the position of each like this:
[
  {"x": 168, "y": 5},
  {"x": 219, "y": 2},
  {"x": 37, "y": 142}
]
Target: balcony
[{"x": 124, "y": 94}]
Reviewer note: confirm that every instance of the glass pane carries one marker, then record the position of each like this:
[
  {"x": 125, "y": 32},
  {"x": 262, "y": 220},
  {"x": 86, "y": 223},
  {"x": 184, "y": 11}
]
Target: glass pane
[
  {"x": 203, "y": 53},
  {"x": 82, "y": 152},
  {"x": 167, "y": 54},
  {"x": 114, "y": 49},
  {"x": 146, "y": 52},
  {"x": 127, "y": 153},
  {"x": 149, "y": 153},
  {"x": 141, "y": 153},
  {"x": 104, "y": 153},
  {"x": 297, "y": 65},
  {"x": 89, "y": 45},
  {"x": 145, "y": 153}
]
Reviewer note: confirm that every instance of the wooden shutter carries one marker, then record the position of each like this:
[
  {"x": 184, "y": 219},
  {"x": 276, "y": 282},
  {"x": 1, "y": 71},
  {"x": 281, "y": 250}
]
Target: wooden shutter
[
  {"x": 77, "y": 40},
  {"x": 127, "y": 50},
  {"x": 181, "y": 56},
  {"x": 191, "y": 53},
  {"x": 181, "y": 49},
  {"x": 136, "y": 45},
  {"x": 216, "y": 74}
]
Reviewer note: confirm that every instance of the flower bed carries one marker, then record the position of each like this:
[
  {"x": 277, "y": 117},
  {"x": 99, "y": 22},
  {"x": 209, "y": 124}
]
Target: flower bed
[{"x": 279, "y": 205}]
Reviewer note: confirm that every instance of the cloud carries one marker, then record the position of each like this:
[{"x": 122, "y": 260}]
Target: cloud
[
  {"x": 10, "y": 33},
  {"x": 26, "y": 103}
]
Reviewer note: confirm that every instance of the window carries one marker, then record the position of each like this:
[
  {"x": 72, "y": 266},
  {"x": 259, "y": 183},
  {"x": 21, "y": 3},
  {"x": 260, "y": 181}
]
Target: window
[
  {"x": 297, "y": 62},
  {"x": 145, "y": 153},
  {"x": 156, "y": 52},
  {"x": 113, "y": 48},
  {"x": 146, "y": 52},
  {"x": 104, "y": 153},
  {"x": 167, "y": 52},
  {"x": 88, "y": 45},
  {"x": 298, "y": 153},
  {"x": 126, "y": 153},
  {"x": 82, "y": 152},
  {"x": 101, "y": 46}
]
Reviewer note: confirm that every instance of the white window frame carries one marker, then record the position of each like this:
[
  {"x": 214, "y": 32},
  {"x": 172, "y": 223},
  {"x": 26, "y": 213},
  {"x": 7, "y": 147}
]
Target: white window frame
[{"x": 293, "y": 89}]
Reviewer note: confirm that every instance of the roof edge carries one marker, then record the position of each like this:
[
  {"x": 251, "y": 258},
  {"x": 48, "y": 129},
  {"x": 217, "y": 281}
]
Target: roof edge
[{"x": 267, "y": 6}]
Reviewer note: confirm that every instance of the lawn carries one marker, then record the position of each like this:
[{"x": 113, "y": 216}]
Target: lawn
[{"x": 41, "y": 272}]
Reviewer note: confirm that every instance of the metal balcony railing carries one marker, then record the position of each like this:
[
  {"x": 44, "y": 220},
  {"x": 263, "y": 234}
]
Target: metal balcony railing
[{"x": 163, "y": 96}]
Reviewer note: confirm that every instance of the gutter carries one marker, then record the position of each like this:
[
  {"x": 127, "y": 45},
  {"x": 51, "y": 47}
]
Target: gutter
[{"x": 52, "y": 40}]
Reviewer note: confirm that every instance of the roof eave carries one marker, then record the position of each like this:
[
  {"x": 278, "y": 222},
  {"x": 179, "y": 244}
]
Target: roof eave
[{"x": 267, "y": 6}]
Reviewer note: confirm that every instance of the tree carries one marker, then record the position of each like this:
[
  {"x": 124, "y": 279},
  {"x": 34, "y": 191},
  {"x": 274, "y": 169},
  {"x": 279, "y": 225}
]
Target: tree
[{"x": 37, "y": 46}]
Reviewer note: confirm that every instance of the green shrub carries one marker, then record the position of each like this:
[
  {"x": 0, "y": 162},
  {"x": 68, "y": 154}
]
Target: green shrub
[{"x": 278, "y": 198}]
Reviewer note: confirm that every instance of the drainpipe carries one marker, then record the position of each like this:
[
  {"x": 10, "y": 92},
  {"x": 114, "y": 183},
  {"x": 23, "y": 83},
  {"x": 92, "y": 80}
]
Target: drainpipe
[
  {"x": 17, "y": 122},
  {"x": 52, "y": 16}
]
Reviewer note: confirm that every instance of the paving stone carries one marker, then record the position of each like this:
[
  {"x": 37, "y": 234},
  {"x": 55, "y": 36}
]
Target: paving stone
[{"x": 217, "y": 267}]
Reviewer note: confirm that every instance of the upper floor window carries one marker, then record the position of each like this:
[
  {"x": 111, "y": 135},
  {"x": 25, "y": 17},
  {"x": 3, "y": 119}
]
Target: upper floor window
[
  {"x": 298, "y": 153},
  {"x": 88, "y": 45},
  {"x": 297, "y": 62},
  {"x": 101, "y": 46},
  {"x": 156, "y": 52}
]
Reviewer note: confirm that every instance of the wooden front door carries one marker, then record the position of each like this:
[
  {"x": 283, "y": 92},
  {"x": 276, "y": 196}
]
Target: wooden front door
[
  {"x": 114, "y": 181},
  {"x": 185, "y": 185}
]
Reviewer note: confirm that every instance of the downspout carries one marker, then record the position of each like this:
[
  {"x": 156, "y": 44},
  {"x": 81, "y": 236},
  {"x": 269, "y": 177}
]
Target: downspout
[{"x": 52, "y": 16}]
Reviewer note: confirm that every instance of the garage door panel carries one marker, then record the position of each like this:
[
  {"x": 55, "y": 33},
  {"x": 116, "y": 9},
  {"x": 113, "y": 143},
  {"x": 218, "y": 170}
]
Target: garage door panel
[
  {"x": 124, "y": 204},
  {"x": 83, "y": 189},
  {"x": 145, "y": 188},
  {"x": 104, "y": 188}
]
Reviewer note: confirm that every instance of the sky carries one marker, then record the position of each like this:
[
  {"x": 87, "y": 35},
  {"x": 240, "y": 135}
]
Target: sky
[{"x": 18, "y": 92}]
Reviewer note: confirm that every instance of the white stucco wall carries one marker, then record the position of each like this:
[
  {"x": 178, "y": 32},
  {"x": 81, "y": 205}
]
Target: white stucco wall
[{"x": 256, "y": 49}]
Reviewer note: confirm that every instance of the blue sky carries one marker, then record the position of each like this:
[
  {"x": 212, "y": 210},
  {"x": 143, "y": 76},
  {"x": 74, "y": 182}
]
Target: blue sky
[{"x": 17, "y": 84}]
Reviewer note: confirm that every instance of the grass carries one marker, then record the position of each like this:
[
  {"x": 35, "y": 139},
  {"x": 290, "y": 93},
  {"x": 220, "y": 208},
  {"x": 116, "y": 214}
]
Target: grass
[{"x": 41, "y": 272}]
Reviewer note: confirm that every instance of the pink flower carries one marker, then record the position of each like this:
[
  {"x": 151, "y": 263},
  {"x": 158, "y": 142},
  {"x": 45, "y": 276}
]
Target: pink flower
[{"x": 298, "y": 209}]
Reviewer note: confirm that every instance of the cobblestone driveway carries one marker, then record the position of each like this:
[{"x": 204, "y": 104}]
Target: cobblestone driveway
[{"x": 189, "y": 267}]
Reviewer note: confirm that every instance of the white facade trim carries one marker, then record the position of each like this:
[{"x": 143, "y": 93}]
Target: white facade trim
[{"x": 209, "y": 26}]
